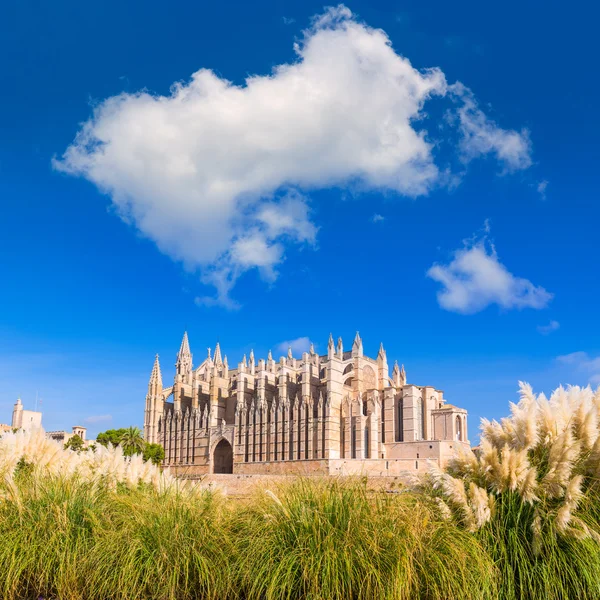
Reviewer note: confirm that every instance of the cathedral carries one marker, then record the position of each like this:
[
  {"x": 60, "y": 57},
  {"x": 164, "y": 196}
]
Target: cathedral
[{"x": 338, "y": 413}]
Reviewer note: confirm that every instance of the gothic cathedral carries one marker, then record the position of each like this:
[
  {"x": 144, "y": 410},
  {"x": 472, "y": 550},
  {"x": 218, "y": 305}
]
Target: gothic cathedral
[{"x": 339, "y": 413}]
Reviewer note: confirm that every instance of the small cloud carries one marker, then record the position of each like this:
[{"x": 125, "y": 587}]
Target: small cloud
[
  {"x": 475, "y": 279},
  {"x": 377, "y": 218},
  {"x": 288, "y": 20},
  {"x": 541, "y": 188},
  {"x": 583, "y": 363},
  {"x": 482, "y": 136},
  {"x": 548, "y": 329},
  {"x": 298, "y": 346},
  {"x": 98, "y": 419}
]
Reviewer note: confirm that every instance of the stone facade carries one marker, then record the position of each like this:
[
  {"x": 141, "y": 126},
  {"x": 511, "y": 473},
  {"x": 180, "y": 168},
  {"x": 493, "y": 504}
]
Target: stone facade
[
  {"x": 339, "y": 413},
  {"x": 64, "y": 436},
  {"x": 28, "y": 420}
]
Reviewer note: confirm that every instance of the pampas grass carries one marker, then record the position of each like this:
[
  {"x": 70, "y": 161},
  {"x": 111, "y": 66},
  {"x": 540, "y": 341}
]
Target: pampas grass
[
  {"x": 530, "y": 494},
  {"x": 105, "y": 464},
  {"x": 521, "y": 519}
]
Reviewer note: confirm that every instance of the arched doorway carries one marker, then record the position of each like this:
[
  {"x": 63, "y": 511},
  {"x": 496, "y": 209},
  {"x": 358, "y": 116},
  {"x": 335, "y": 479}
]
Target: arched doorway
[{"x": 223, "y": 457}]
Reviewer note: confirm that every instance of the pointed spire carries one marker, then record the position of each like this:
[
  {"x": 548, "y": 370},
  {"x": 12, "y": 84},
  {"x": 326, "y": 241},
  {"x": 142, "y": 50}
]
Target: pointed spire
[
  {"x": 312, "y": 348},
  {"x": 330, "y": 347},
  {"x": 244, "y": 361},
  {"x": 184, "y": 349},
  {"x": 340, "y": 347},
  {"x": 270, "y": 356},
  {"x": 382, "y": 354},
  {"x": 251, "y": 361},
  {"x": 208, "y": 354},
  {"x": 396, "y": 374},
  {"x": 357, "y": 346},
  {"x": 218, "y": 359},
  {"x": 156, "y": 376},
  {"x": 225, "y": 365},
  {"x": 289, "y": 354},
  {"x": 403, "y": 375},
  {"x": 184, "y": 357}
]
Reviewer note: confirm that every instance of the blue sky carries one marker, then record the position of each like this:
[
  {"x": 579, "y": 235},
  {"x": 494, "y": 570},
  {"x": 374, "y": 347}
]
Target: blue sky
[{"x": 450, "y": 213}]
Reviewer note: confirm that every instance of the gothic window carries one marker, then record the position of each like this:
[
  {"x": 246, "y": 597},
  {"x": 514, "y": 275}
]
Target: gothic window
[
  {"x": 383, "y": 420},
  {"x": 420, "y": 424},
  {"x": 349, "y": 368},
  {"x": 459, "y": 433},
  {"x": 367, "y": 442},
  {"x": 353, "y": 438},
  {"x": 364, "y": 408},
  {"x": 400, "y": 427}
]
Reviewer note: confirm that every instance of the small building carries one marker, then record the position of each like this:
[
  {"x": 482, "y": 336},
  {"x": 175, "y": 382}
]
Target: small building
[
  {"x": 28, "y": 420},
  {"x": 64, "y": 436}
]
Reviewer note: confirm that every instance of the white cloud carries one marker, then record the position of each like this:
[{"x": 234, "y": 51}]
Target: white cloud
[
  {"x": 98, "y": 419},
  {"x": 212, "y": 171},
  {"x": 481, "y": 135},
  {"x": 541, "y": 188},
  {"x": 298, "y": 346},
  {"x": 377, "y": 218},
  {"x": 475, "y": 278},
  {"x": 585, "y": 364},
  {"x": 550, "y": 328}
]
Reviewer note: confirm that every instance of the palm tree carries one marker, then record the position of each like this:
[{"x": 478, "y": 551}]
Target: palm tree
[{"x": 132, "y": 441}]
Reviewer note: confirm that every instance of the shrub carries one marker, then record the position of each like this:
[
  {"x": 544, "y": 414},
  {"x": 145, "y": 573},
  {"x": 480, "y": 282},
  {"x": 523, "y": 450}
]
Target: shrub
[{"x": 332, "y": 539}]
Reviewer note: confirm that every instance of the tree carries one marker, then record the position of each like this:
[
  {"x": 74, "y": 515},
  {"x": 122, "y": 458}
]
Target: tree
[
  {"x": 154, "y": 453},
  {"x": 75, "y": 443},
  {"x": 132, "y": 441},
  {"x": 111, "y": 436}
]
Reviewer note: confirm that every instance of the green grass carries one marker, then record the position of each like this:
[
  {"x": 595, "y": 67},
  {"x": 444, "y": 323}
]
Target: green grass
[
  {"x": 332, "y": 539},
  {"x": 329, "y": 539}
]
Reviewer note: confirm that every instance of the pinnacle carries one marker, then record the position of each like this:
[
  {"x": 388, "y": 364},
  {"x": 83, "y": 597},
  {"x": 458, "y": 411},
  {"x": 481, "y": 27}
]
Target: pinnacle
[
  {"x": 156, "y": 377},
  {"x": 218, "y": 360},
  {"x": 381, "y": 350},
  {"x": 330, "y": 342},
  {"x": 184, "y": 349},
  {"x": 357, "y": 340}
]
